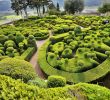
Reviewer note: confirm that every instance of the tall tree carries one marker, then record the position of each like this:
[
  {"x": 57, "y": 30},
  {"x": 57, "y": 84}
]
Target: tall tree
[
  {"x": 105, "y": 8},
  {"x": 43, "y": 9},
  {"x": 74, "y": 6},
  {"x": 58, "y": 7},
  {"x": 24, "y": 5},
  {"x": 18, "y": 6},
  {"x": 39, "y": 4}
]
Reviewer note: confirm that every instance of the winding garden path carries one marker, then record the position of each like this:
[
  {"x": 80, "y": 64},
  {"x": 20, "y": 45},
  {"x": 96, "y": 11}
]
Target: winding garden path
[{"x": 34, "y": 58}]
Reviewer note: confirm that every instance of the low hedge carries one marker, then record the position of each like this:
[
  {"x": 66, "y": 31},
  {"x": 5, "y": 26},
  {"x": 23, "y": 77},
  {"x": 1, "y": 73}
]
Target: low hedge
[
  {"x": 28, "y": 53},
  {"x": 42, "y": 38},
  {"x": 11, "y": 89},
  {"x": 88, "y": 76},
  {"x": 58, "y": 38},
  {"x": 17, "y": 69}
]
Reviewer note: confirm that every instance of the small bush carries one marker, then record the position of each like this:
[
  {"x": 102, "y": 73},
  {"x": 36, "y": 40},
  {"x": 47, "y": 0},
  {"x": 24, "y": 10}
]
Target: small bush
[
  {"x": 67, "y": 53},
  {"x": 77, "y": 30},
  {"x": 107, "y": 53},
  {"x": 56, "y": 81},
  {"x": 19, "y": 38},
  {"x": 3, "y": 38},
  {"x": 9, "y": 43},
  {"x": 38, "y": 82}
]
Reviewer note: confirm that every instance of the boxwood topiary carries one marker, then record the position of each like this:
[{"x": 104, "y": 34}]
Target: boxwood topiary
[
  {"x": 19, "y": 37},
  {"x": 67, "y": 53},
  {"x": 56, "y": 81},
  {"x": 17, "y": 69}
]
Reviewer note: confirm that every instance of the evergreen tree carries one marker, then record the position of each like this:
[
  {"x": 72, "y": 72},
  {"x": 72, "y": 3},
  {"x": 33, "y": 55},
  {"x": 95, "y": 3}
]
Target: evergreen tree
[
  {"x": 43, "y": 9},
  {"x": 74, "y": 6},
  {"x": 105, "y": 8},
  {"x": 18, "y": 6},
  {"x": 58, "y": 7}
]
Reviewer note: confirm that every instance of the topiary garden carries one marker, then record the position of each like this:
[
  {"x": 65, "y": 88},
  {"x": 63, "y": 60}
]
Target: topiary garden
[
  {"x": 77, "y": 54},
  {"x": 78, "y": 50}
]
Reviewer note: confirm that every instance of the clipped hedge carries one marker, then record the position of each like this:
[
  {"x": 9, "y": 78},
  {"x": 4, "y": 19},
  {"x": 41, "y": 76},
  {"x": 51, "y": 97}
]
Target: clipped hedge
[
  {"x": 11, "y": 89},
  {"x": 28, "y": 53},
  {"x": 17, "y": 69},
  {"x": 88, "y": 76},
  {"x": 42, "y": 38}
]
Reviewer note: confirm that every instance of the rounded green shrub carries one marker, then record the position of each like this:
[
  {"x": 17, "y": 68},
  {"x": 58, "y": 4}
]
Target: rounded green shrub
[
  {"x": 80, "y": 63},
  {"x": 2, "y": 52},
  {"x": 9, "y": 43},
  {"x": 107, "y": 53},
  {"x": 77, "y": 30},
  {"x": 67, "y": 53},
  {"x": 56, "y": 81},
  {"x": 31, "y": 41},
  {"x": 10, "y": 49},
  {"x": 3, "y": 38},
  {"x": 17, "y": 69},
  {"x": 11, "y": 37},
  {"x": 19, "y": 38},
  {"x": 38, "y": 82}
]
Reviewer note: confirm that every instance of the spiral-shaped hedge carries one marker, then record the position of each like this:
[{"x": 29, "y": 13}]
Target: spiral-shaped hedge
[{"x": 78, "y": 56}]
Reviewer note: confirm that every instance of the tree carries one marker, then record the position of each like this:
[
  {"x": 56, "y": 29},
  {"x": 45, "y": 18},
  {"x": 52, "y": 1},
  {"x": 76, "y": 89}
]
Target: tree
[
  {"x": 18, "y": 6},
  {"x": 74, "y": 6},
  {"x": 58, "y": 7},
  {"x": 105, "y": 8},
  {"x": 51, "y": 6},
  {"x": 24, "y": 5},
  {"x": 43, "y": 9},
  {"x": 39, "y": 4}
]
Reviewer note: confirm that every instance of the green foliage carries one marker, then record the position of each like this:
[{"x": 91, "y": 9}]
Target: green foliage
[
  {"x": 3, "y": 38},
  {"x": 52, "y": 58},
  {"x": 17, "y": 69},
  {"x": 31, "y": 41},
  {"x": 19, "y": 38},
  {"x": 9, "y": 43},
  {"x": 38, "y": 82},
  {"x": 107, "y": 53},
  {"x": 87, "y": 59},
  {"x": 28, "y": 53},
  {"x": 59, "y": 47},
  {"x": 74, "y": 6},
  {"x": 15, "y": 89},
  {"x": 105, "y": 8},
  {"x": 67, "y": 53},
  {"x": 56, "y": 81},
  {"x": 77, "y": 30}
]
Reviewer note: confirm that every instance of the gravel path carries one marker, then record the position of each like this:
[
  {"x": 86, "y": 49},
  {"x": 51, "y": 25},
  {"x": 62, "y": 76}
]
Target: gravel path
[{"x": 34, "y": 62}]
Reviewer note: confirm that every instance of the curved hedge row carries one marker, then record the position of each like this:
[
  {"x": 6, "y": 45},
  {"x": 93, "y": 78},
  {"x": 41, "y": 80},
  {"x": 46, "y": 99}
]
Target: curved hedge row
[
  {"x": 88, "y": 76},
  {"x": 27, "y": 54},
  {"x": 11, "y": 89}
]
